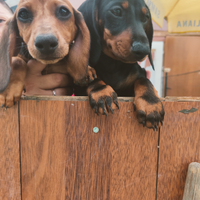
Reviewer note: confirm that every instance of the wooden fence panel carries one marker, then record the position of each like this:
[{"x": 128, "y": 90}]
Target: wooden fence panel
[
  {"x": 179, "y": 146},
  {"x": 62, "y": 158},
  {"x": 10, "y": 188}
]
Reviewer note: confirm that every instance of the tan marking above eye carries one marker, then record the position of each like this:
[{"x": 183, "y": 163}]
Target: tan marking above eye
[
  {"x": 125, "y": 4},
  {"x": 107, "y": 32},
  {"x": 144, "y": 10}
]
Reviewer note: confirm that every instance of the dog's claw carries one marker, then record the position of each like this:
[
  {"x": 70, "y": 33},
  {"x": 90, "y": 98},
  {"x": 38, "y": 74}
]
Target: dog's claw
[
  {"x": 161, "y": 123},
  {"x": 153, "y": 128},
  {"x": 90, "y": 80},
  {"x": 111, "y": 110},
  {"x": 104, "y": 112},
  {"x": 143, "y": 123},
  {"x": 117, "y": 104},
  {"x": 94, "y": 76},
  {"x": 96, "y": 111},
  {"x": 156, "y": 128}
]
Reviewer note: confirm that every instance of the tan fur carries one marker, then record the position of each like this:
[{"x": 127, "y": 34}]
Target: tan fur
[
  {"x": 118, "y": 47},
  {"x": 90, "y": 88},
  {"x": 125, "y": 4},
  {"x": 142, "y": 105},
  {"x": 16, "y": 84},
  {"x": 144, "y": 10},
  {"x": 101, "y": 95},
  {"x": 45, "y": 22},
  {"x": 45, "y": 25}
]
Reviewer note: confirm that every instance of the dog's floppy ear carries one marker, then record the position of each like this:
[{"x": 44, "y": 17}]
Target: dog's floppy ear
[
  {"x": 9, "y": 47},
  {"x": 78, "y": 57},
  {"x": 92, "y": 23},
  {"x": 150, "y": 37}
]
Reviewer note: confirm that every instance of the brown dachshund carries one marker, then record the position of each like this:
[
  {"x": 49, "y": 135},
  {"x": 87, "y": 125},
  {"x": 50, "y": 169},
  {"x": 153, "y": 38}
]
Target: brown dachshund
[{"x": 50, "y": 31}]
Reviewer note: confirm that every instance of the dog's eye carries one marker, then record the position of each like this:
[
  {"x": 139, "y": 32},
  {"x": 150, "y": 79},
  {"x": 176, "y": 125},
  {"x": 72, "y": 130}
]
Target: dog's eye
[
  {"x": 24, "y": 15},
  {"x": 147, "y": 17},
  {"x": 117, "y": 12},
  {"x": 63, "y": 13}
]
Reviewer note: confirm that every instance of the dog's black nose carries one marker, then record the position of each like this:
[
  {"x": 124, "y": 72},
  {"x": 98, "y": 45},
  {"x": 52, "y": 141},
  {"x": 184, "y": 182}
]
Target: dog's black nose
[
  {"x": 140, "y": 50},
  {"x": 46, "y": 44}
]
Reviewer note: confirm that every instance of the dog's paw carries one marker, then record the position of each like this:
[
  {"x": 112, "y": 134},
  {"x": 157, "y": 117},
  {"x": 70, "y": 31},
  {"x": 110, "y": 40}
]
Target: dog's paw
[
  {"x": 103, "y": 99},
  {"x": 150, "y": 114},
  {"x": 91, "y": 75},
  {"x": 11, "y": 95}
]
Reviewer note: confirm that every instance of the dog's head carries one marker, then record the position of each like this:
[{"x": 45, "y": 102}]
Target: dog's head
[
  {"x": 122, "y": 29},
  {"x": 48, "y": 29}
]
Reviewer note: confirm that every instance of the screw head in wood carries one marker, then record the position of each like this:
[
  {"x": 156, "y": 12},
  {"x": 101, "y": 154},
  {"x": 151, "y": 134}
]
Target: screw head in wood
[{"x": 95, "y": 129}]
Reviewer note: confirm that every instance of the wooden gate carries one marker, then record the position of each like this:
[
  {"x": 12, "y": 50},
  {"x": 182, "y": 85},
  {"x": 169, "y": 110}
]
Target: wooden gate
[{"x": 48, "y": 151}]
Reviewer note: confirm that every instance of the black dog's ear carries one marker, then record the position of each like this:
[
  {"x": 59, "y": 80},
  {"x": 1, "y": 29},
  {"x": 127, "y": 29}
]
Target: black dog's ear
[
  {"x": 88, "y": 9},
  {"x": 9, "y": 46},
  {"x": 149, "y": 32}
]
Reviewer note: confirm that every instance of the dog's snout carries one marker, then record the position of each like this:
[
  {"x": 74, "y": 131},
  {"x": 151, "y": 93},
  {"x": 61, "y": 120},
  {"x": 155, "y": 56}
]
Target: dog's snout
[
  {"x": 140, "y": 50},
  {"x": 46, "y": 44}
]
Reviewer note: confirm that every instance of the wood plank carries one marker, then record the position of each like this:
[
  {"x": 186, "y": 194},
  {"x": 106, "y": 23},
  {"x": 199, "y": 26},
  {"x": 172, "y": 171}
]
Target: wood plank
[
  {"x": 42, "y": 150},
  {"x": 10, "y": 188},
  {"x": 179, "y": 146},
  {"x": 62, "y": 158},
  {"x": 120, "y": 99},
  {"x": 192, "y": 185}
]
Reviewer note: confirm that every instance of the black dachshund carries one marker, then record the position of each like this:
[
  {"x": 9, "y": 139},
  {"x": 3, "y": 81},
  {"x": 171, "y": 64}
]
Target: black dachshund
[{"x": 121, "y": 35}]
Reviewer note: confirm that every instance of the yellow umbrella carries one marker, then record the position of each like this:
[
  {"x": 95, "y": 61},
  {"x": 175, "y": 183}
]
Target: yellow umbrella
[{"x": 182, "y": 15}]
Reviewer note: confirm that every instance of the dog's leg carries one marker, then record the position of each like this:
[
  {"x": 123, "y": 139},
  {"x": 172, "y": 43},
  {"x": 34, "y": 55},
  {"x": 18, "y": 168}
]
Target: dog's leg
[
  {"x": 90, "y": 76},
  {"x": 13, "y": 91},
  {"x": 147, "y": 104},
  {"x": 102, "y": 97}
]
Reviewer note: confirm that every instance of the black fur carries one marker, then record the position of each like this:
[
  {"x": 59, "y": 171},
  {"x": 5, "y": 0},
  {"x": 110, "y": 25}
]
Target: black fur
[
  {"x": 118, "y": 27},
  {"x": 149, "y": 95},
  {"x": 112, "y": 71}
]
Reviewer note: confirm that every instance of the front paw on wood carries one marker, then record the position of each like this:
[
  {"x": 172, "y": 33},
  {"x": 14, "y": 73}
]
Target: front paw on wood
[
  {"x": 103, "y": 100},
  {"x": 11, "y": 95},
  {"x": 150, "y": 114}
]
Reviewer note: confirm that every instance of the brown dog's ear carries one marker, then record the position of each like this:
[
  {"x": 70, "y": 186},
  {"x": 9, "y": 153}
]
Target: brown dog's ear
[
  {"x": 89, "y": 9},
  {"x": 9, "y": 46},
  {"x": 78, "y": 57}
]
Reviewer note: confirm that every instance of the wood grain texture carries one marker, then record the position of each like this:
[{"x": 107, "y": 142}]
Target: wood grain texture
[
  {"x": 10, "y": 188},
  {"x": 179, "y": 146},
  {"x": 62, "y": 158},
  {"x": 120, "y": 99},
  {"x": 182, "y": 57},
  {"x": 43, "y": 150}
]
